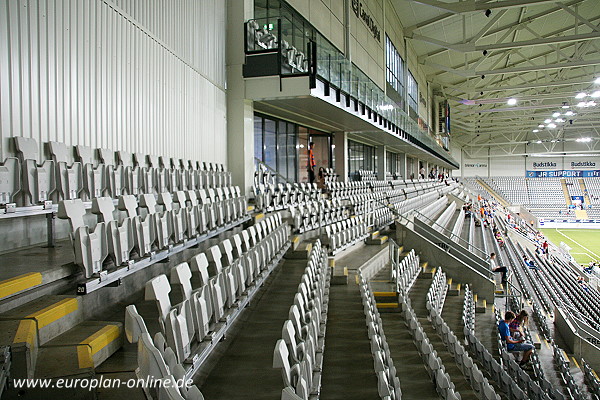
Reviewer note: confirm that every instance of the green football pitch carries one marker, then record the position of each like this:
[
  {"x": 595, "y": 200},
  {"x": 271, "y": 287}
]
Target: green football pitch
[{"x": 584, "y": 243}]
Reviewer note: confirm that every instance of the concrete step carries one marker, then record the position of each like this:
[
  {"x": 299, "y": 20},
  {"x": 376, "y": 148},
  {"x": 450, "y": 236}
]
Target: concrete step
[
  {"x": 386, "y": 297},
  {"x": 453, "y": 288},
  {"x": 393, "y": 307},
  {"x": 339, "y": 276},
  {"x": 34, "y": 324},
  {"x": 296, "y": 240},
  {"x": 427, "y": 272},
  {"x": 379, "y": 240},
  {"x": 300, "y": 252},
  {"x": 83, "y": 347},
  {"x": 480, "y": 305}
]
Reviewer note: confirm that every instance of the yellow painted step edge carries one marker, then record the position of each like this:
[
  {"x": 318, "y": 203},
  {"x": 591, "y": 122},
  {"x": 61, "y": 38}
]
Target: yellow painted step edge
[
  {"x": 94, "y": 343},
  {"x": 387, "y": 305},
  {"x": 56, "y": 311},
  {"x": 18, "y": 283},
  {"x": 26, "y": 332},
  {"x": 384, "y": 294}
]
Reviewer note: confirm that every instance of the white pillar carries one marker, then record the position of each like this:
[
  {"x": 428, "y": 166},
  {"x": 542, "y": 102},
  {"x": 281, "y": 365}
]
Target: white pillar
[
  {"x": 340, "y": 140},
  {"x": 240, "y": 112},
  {"x": 381, "y": 161}
]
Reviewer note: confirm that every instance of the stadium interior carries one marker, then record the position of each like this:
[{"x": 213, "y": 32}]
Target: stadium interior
[{"x": 300, "y": 199}]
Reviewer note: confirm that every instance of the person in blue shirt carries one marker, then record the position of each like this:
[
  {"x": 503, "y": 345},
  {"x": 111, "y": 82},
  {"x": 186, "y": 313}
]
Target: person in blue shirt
[{"x": 511, "y": 343}]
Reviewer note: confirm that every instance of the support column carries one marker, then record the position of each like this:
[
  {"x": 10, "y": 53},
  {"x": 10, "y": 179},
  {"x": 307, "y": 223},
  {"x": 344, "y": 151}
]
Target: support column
[
  {"x": 340, "y": 152},
  {"x": 381, "y": 161},
  {"x": 240, "y": 112},
  {"x": 402, "y": 165}
]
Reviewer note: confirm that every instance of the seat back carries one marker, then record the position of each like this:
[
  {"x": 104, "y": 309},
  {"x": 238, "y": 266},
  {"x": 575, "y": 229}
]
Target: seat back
[
  {"x": 74, "y": 211},
  {"x": 158, "y": 289},
  {"x": 103, "y": 207},
  {"x": 134, "y": 324}
]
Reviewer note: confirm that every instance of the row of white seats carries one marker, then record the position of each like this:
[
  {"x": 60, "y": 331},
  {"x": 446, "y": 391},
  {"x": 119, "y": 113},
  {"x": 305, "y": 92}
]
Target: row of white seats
[
  {"x": 157, "y": 362},
  {"x": 436, "y": 295},
  {"x": 591, "y": 378},
  {"x": 311, "y": 214},
  {"x": 196, "y": 213},
  {"x": 278, "y": 197},
  {"x": 480, "y": 385},
  {"x": 111, "y": 174},
  {"x": 433, "y": 363},
  {"x": 537, "y": 388},
  {"x": 299, "y": 353},
  {"x": 226, "y": 274},
  {"x": 431, "y": 210},
  {"x": 492, "y": 367},
  {"x": 406, "y": 272},
  {"x": 563, "y": 367},
  {"x": 388, "y": 384},
  {"x": 344, "y": 234},
  {"x": 442, "y": 221}
]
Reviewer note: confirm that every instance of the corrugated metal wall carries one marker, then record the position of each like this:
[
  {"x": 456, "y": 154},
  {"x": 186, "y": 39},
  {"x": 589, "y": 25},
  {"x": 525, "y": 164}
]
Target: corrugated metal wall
[{"x": 135, "y": 75}]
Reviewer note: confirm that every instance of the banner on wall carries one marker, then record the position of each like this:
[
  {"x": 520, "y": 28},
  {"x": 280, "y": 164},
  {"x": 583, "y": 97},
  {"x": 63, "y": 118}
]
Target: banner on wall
[{"x": 565, "y": 173}]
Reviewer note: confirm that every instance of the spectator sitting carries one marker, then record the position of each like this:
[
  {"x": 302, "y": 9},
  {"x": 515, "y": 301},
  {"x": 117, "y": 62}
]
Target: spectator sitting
[
  {"x": 529, "y": 263},
  {"x": 518, "y": 324},
  {"x": 581, "y": 281},
  {"x": 511, "y": 343},
  {"x": 497, "y": 268}
]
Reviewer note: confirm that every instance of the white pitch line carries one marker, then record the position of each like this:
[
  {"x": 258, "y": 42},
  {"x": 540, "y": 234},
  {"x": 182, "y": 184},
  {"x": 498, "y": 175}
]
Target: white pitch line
[{"x": 583, "y": 247}]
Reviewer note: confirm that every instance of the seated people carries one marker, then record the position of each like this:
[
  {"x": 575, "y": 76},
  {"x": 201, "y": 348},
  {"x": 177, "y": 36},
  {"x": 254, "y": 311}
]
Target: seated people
[
  {"x": 513, "y": 344},
  {"x": 517, "y": 325},
  {"x": 529, "y": 263}
]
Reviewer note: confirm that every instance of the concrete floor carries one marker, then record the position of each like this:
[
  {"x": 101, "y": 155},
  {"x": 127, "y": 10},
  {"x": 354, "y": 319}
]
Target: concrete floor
[{"x": 242, "y": 365}]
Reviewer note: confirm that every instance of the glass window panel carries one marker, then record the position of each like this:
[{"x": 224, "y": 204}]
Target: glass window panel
[
  {"x": 270, "y": 143},
  {"x": 258, "y": 138}
]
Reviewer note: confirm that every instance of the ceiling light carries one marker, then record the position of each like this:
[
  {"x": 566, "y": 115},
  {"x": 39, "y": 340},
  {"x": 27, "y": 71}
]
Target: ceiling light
[
  {"x": 565, "y": 106},
  {"x": 556, "y": 114},
  {"x": 597, "y": 81},
  {"x": 595, "y": 94},
  {"x": 569, "y": 113},
  {"x": 581, "y": 95},
  {"x": 540, "y": 125},
  {"x": 584, "y": 140},
  {"x": 535, "y": 130},
  {"x": 511, "y": 102},
  {"x": 560, "y": 120},
  {"x": 539, "y": 141},
  {"x": 551, "y": 126},
  {"x": 547, "y": 121},
  {"x": 582, "y": 104},
  {"x": 591, "y": 104}
]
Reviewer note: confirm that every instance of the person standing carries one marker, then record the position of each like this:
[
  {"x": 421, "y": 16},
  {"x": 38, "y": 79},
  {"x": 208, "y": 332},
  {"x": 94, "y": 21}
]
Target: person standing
[
  {"x": 545, "y": 247},
  {"x": 311, "y": 162}
]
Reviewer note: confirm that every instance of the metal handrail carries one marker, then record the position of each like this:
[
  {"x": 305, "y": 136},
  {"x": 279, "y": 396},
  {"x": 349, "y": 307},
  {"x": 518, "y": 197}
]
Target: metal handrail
[{"x": 451, "y": 235}]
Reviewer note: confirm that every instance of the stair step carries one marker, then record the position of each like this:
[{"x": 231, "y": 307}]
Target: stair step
[
  {"x": 51, "y": 316},
  {"x": 379, "y": 240},
  {"x": 296, "y": 240},
  {"x": 339, "y": 276},
  {"x": 83, "y": 347},
  {"x": 389, "y": 307},
  {"x": 11, "y": 286},
  {"x": 454, "y": 289},
  {"x": 427, "y": 272},
  {"x": 31, "y": 325},
  {"x": 300, "y": 252},
  {"x": 481, "y": 306},
  {"x": 386, "y": 297}
]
